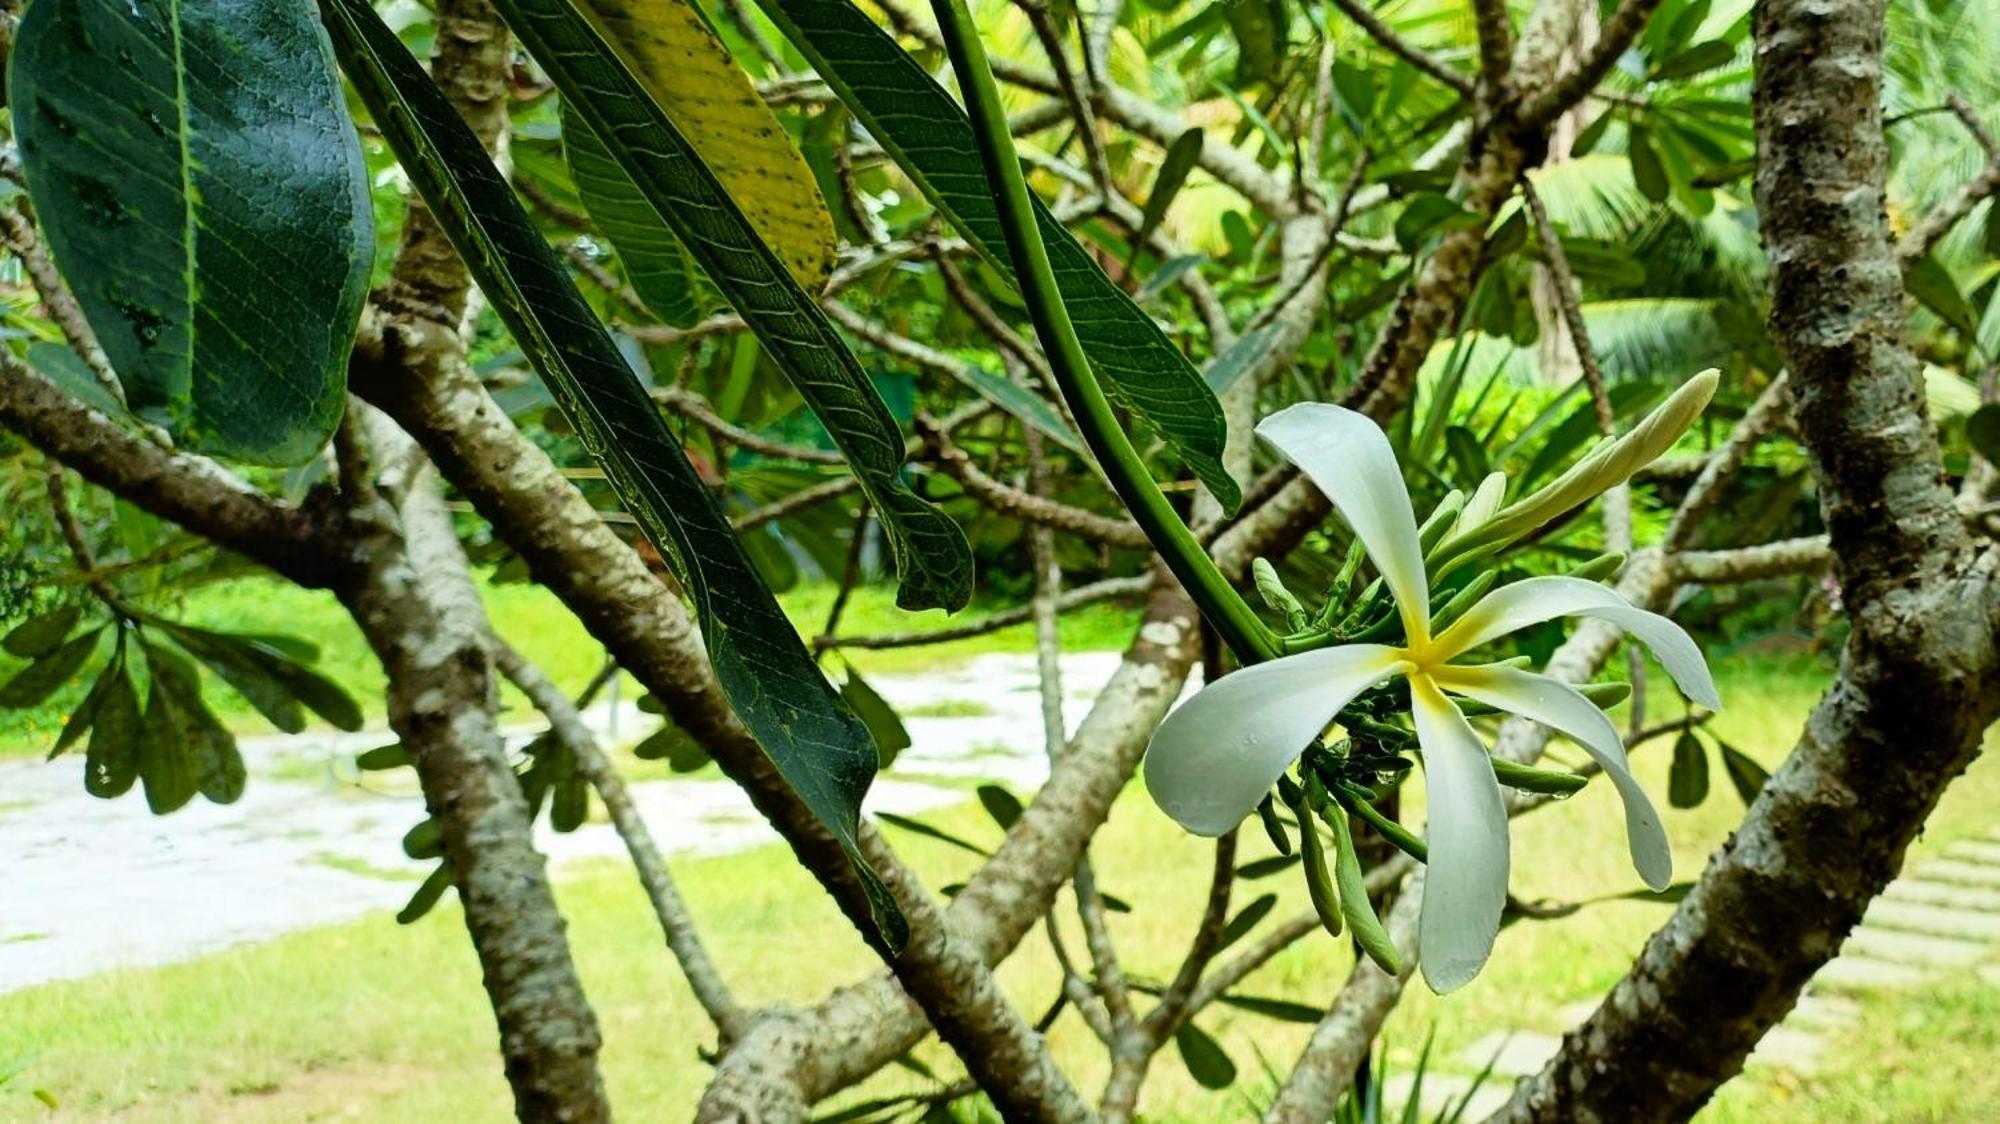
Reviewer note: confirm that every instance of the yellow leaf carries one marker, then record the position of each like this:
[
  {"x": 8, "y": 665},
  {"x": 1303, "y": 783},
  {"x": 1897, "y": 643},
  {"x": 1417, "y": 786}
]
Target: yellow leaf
[{"x": 670, "y": 48}]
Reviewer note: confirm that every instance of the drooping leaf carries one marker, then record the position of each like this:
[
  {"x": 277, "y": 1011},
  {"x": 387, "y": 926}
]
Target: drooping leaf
[
  {"x": 230, "y": 664},
  {"x": 166, "y": 766},
  {"x": 395, "y": 755},
  {"x": 39, "y": 635},
  {"x": 1003, "y": 806},
  {"x": 675, "y": 746},
  {"x": 1018, "y": 400},
  {"x": 1745, "y": 775},
  {"x": 1932, "y": 285},
  {"x": 1181, "y": 157},
  {"x": 919, "y": 827},
  {"x": 1284, "y": 1010},
  {"x": 204, "y": 192},
  {"x": 111, "y": 762},
  {"x": 37, "y": 681},
  {"x": 85, "y": 715},
  {"x": 1694, "y": 60},
  {"x": 671, "y": 49},
  {"x": 1204, "y": 1057},
  {"x": 815, "y": 742},
  {"x": 1246, "y": 919},
  {"x": 1648, "y": 174},
  {"x": 654, "y": 262},
  {"x": 208, "y": 748},
  {"x": 1241, "y": 356},
  {"x": 1982, "y": 429},
  {"x": 933, "y": 561},
  {"x": 930, "y": 138},
  {"x": 1259, "y": 27},
  {"x": 427, "y": 895},
  {"x": 1687, "y": 782},
  {"x": 1264, "y": 868}
]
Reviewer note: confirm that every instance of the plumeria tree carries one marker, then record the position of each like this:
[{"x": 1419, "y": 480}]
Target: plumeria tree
[{"x": 659, "y": 304}]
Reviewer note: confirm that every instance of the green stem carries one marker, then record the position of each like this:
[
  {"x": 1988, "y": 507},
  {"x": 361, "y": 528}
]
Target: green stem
[{"x": 1232, "y": 617}]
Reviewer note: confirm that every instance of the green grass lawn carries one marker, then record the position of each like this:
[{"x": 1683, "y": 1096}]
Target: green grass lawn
[
  {"x": 371, "y": 1021},
  {"x": 538, "y": 624}
]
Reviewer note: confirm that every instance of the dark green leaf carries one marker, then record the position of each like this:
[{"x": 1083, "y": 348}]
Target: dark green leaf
[
  {"x": 1468, "y": 456},
  {"x": 1687, "y": 784},
  {"x": 1169, "y": 274},
  {"x": 883, "y": 723},
  {"x": 204, "y": 192},
  {"x": 425, "y": 840},
  {"x": 1426, "y": 213},
  {"x": 654, "y": 262},
  {"x": 1283, "y": 1010},
  {"x": 166, "y": 764},
  {"x": 1982, "y": 429},
  {"x": 1205, "y": 1060},
  {"x": 65, "y": 368},
  {"x": 928, "y": 135},
  {"x": 111, "y": 763},
  {"x": 1180, "y": 159},
  {"x": 1648, "y": 175},
  {"x": 933, "y": 562},
  {"x": 682, "y": 753},
  {"x": 1021, "y": 402},
  {"x": 34, "y": 683},
  {"x": 1694, "y": 60},
  {"x": 38, "y": 636},
  {"x": 817, "y": 744},
  {"x": 929, "y": 832},
  {"x": 1000, "y": 804},
  {"x": 80, "y": 719},
  {"x": 1745, "y": 774},
  {"x": 569, "y": 800},
  {"x": 1245, "y": 920},
  {"x": 1259, "y": 27},
  {"x": 225, "y": 656},
  {"x": 1242, "y": 356},
  {"x": 208, "y": 748},
  {"x": 1589, "y": 135},
  {"x": 1264, "y": 868},
  {"x": 427, "y": 895}
]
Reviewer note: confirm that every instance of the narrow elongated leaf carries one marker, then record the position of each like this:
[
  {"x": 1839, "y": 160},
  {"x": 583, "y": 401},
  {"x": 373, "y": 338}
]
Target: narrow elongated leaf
[
  {"x": 166, "y": 767},
  {"x": 1687, "y": 782},
  {"x": 919, "y": 827},
  {"x": 426, "y": 897},
  {"x": 85, "y": 714},
  {"x": 929, "y": 136},
  {"x": 38, "y": 636},
  {"x": 677, "y": 56},
  {"x": 933, "y": 561},
  {"x": 258, "y": 687},
  {"x": 1648, "y": 174},
  {"x": 1245, "y": 920},
  {"x": 1694, "y": 60},
  {"x": 1745, "y": 775},
  {"x": 884, "y": 724},
  {"x": 1932, "y": 285},
  {"x": 204, "y": 192},
  {"x": 1023, "y": 403},
  {"x": 817, "y": 744},
  {"x": 654, "y": 262},
  {"x": 1182, "y": 155}
]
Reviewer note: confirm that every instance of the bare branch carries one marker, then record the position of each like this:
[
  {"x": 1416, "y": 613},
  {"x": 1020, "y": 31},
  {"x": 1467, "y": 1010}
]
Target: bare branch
[
  {"x": 1940, "y": 219},
  {"x": 1572, "y": 86},
  {"x": 1017, "y": 504},
  {"x": 1749, "y": 563},
  {"x": 696, "y": 408},
  {"x": 1395, "y": 44}
]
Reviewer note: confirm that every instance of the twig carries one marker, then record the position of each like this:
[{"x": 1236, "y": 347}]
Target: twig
[
  {"x": 696, "y": 408},
  {"x": 1572, "y": 85},
  {"x": 1914, "y": 245},
  {"x": 1396, "y": 45},
  {"x": 956, "y": 463},
  {"x": 1077, "y": 598},
  {"x": 1073, "y": 93}
]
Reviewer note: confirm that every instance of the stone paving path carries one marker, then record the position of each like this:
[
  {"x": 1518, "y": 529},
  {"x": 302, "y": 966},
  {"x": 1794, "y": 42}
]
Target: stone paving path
[
  {"x": 1942, "y": 915},
  {"x": 91, "y": 885}
]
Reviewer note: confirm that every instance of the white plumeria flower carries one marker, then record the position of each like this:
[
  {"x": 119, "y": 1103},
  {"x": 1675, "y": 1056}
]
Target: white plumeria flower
[{"x": 1212, "y": 761}]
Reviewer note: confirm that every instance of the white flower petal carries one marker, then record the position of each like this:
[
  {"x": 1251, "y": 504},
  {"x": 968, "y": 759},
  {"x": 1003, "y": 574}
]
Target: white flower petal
[
  {"x": 1559, "y": 706},
  {"x": 1534, "y": 600},
  {"x": 1465, "y": 885},
  {"x": 1349, "y": 457},
  {"x": 1215, "y": 756}
]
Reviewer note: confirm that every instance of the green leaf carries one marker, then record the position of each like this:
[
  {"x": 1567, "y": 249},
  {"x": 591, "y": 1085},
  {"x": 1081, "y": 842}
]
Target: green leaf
[
  {"x": 111, "y": 762},
  {"x": 221, "y": 654},
  {"x": 883, "y": 723},
  {"x": 1259, "y": 27},
  {"x": 85, "y": 714},
  {"x": 1745, "y": 775},
  {"x": 1029, "y": 407},
  {"x": 1694, "y": 60},
  {"x": 65, "y": 368},
  {"x": 933, "y": 562},
  {"x": 816, "y": 743},
  {"x": 671, "y": 49},
  {"x": 34, "y": 683},
  {"x": 1648, "y": 174},
  {"x": 166, "y": 767},
  {"x": 1588, "y": 136},
  {"x": 569, "y": 794},
  {"x": 926, "y": 132},
  {"x": 1246, "y": 919},
  {"x": 1284, "y": 1010},
  {"x": 425, "y": 840},
  {"x": 427, "y": 895},
  {"x": 919, "y": 827},
  {"x": 204, "y": 192},
  {"x": 1181, "y": 158},
  {"x": 675, "y": 746},
  {"x": 1264, "y": 868},
  {"x": 206, "y": 746},
  {"x": 1000, "y": 804},
  {"x": 38, "y": 636},
  {"x": 1241, "y": 356},
  {"x": 1932, "y": 285},
  {"x": 1687, "y": 783},
  {"x": 1204, "y": 1057},
  {"x": 654, "y": 262},
  {"x": 395, "y": 755},
  {"x": 1982, "y": 429}
]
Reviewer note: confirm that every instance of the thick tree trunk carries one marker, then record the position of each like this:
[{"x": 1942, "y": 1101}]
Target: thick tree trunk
[
  {"x": 416, "y": 604},
  {"x": 1920, "y": 678}
]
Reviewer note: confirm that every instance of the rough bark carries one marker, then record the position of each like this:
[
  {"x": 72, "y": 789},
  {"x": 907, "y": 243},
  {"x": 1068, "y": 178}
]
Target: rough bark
[
  {"x": 1920, "y": 676},
  {"x": 417, "y": 607}
]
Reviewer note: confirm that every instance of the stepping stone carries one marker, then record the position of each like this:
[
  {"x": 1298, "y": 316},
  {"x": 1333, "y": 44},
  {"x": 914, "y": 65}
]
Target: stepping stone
[
  {"x": 1823, "y": 1012},
  {"x": 1855, "y": 972},
  {"x": 1968, "y": 873},
  {"x": 1790, "y": 1048},
  {"x": 1443, "y": 1092},
  {"x": 1942, "y": 893},
  {"x": 1916, "y": 948},
  {"x": 1515, "y": 1053},
  {"x": 1970, "y": 924},
  {"x": 1974, "y": 850}
]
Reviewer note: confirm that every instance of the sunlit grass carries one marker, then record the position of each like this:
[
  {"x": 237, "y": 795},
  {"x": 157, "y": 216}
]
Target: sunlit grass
[{"x": 388, "y": 1023}]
